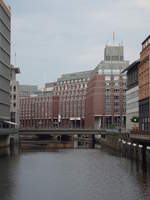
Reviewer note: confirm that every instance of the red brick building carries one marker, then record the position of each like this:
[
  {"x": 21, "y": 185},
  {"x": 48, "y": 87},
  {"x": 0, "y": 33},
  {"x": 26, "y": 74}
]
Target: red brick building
[
  {"x": 144, "y": 86},
  {"x": 71, "y": 89},
  {"x": 106, "y": 92},
  {"x": 39, "y": 111},
  {"x": 94, "y": 98}
]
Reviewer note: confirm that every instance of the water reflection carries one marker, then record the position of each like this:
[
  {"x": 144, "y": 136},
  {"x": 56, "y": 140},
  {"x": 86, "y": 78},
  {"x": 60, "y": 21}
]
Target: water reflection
[
  {"x": 83, "y": 144},
  {"x": 73, "y": 174},
  {"x": 8, "y": 167},
  {"x": 4, "y": 152}
]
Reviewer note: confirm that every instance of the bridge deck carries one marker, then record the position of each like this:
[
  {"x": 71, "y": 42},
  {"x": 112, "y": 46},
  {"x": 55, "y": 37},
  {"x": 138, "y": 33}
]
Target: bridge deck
[
  {"x": 8, "y": 131},
  {"x": 59, "y": 132}
]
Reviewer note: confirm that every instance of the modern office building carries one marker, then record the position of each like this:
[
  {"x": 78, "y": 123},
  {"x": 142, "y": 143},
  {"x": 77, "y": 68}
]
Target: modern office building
[
  {"x": 39, "y": 111},
  {"x": 106, "y": 91},
  {"x": 144, "y": 86},
  {"x": 132, "y": 96},
  {"x": 5, "y": 32},
  {"x": 14, "y": 96}
]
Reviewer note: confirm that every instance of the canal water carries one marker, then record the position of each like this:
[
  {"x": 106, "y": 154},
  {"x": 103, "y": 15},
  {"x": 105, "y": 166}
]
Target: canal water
[{"x": 72, "y": 174}]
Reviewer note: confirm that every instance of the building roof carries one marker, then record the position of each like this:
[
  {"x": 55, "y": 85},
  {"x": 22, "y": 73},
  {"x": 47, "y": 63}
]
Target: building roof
[
  {"x": 146, "y": 39},
  {"x": 131, "y": 66},
  {"x": 76, "y": 75},
  {"x": 51, "y": 84},
  {"x": 114, "y": 53}
]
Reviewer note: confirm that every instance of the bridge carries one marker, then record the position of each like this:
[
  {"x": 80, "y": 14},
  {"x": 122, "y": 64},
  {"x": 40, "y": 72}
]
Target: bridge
[
  {"x": 55, "y": 137},
  {"x": 60, "y": 131},
  {"x": 8, "y": 131}
]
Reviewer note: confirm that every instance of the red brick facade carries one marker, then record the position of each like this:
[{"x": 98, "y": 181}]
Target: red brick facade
[
  {"x": 95, "y": 100},
  {"x": 98, "y": 94},
  {"x": 144, "y": 87},
  {"x": 39, "y": 111},
  {"x": 72, "y": 96}
]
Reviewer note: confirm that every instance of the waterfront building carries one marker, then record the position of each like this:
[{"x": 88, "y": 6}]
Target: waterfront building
[
  {"x": 106, "y": 91},
  {"x": 5, "y": 32},
  {"x": 144, "y": 86},
  {"x": 132, "y": 96},
  {"x": 71, "y": 89},
  {"x": 92, "y": 99},
  {"x": 27, "y": 90},
  {"x": 39, "y": 111},
  {"x": 14, "y": 96}
]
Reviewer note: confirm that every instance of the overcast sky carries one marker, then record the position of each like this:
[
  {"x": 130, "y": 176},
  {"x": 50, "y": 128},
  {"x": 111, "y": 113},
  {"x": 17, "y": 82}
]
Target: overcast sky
[{"x": 51, "y": 37}]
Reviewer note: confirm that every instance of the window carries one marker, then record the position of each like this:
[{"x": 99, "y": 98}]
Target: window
[
  {"x": 100, "y": 71},
  {"x": 107, "y": 78},
  {"x": 14, "y": 88},
  {"x": 107, "y": 71},
  {"x": 116, "y": 83},
  {"x": 116, "y": 97},
  {"x": 116, "y": 71},
  {"x": 107, "y": 83},
  {"x": 107, "y": 91},
  {"x": 116, "y": 78}
]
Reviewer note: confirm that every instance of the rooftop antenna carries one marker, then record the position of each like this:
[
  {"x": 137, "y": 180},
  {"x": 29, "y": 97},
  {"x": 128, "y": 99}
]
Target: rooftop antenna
[
  {"x": 113, "y": 38},
  {"x": 15, "y": 59}
]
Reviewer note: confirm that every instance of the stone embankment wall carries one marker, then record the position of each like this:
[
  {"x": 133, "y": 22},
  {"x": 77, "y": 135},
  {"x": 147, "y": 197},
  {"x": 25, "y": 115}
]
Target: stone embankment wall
[
  {"x": 121, "y": 143},
  {"x": 113, "y": 139}
]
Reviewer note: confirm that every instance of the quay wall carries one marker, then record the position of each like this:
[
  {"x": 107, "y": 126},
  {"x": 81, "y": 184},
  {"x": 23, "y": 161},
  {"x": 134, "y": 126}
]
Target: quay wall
[{"x": 121, "y": 142}]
